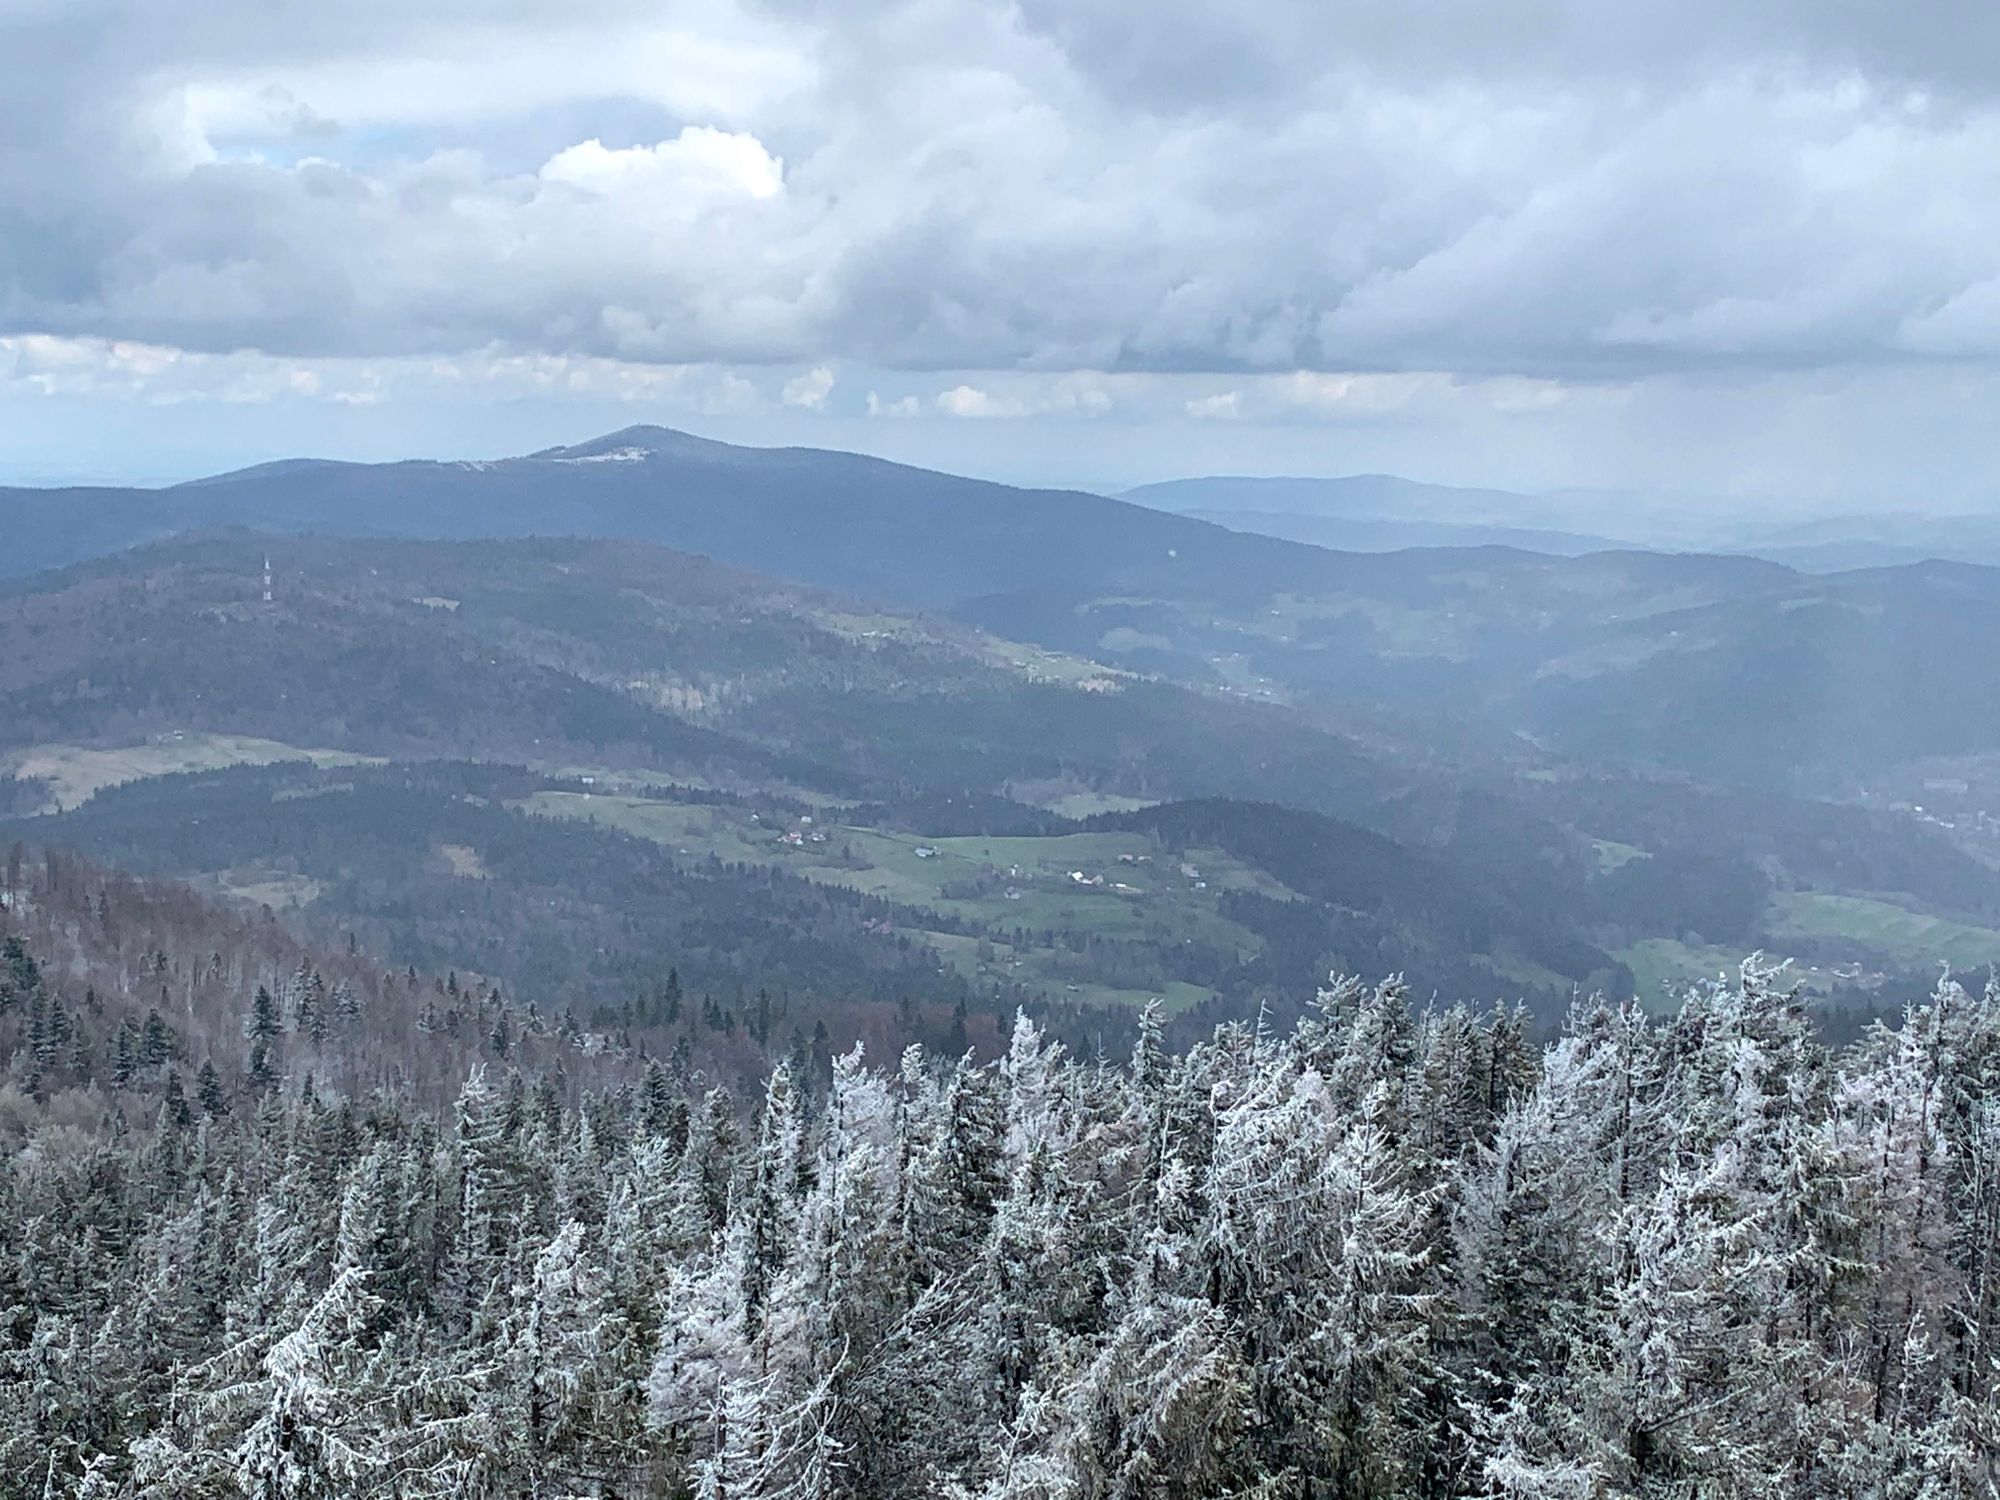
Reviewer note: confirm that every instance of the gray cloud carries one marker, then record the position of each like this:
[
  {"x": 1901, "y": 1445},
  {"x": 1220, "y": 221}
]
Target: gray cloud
[{"x": 1552, "y": 189}]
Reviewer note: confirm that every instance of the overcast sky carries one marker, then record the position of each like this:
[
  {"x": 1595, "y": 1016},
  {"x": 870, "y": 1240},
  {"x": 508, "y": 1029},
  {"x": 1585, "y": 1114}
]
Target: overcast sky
[{"x": 1737, "y": 250}]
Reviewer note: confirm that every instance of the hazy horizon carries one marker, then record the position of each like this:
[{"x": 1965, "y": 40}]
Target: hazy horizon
[{"x": 1003, "y": 467}]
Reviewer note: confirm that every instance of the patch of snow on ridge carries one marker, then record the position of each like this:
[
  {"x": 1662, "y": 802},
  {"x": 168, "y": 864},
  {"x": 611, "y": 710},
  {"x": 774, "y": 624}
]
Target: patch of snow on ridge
[{"x": 611, "y": 456}]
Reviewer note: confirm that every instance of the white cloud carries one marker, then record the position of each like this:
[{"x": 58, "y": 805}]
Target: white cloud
[
  {"x": 1084, "y": 393},
  {"x": 1316, "y": 390},
  {"x": 1029, "y": 209},
  {"x": 962, "y": 184},
  {"x": 153, "y": 375},
  {"x": 811, "y": 389},
  {"x": 970, "y": 401},
  {"x": 697, "y": 164},
  {"x": 374, "y": 65}
]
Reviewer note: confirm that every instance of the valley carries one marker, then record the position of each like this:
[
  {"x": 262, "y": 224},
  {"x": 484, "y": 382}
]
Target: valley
[
  {"x": 1579, "y": 650},
  {"x": 1038, "y": 913},
  {"x": 1501, "y": 772}
]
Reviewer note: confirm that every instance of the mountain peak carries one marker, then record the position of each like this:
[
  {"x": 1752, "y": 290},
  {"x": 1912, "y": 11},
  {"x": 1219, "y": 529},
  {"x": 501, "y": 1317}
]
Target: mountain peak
[{"x": 631, "y": 444}]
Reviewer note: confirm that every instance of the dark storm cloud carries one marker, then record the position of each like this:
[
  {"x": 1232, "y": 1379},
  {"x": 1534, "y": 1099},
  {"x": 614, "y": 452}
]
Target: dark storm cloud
[{"x": 1551, "y": 189}]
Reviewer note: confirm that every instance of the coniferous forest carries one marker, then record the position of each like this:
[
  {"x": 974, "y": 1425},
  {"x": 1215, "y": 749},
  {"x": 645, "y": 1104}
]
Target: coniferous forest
[
  {"x": 999, "y": 750},
  {"x": 275, "y": 1223}
]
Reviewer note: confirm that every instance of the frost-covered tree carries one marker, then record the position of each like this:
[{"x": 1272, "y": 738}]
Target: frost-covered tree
[{"x": 1379, "y": 1256}]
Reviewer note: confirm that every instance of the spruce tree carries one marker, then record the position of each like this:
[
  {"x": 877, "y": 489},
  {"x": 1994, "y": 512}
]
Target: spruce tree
[{"x": 208, "y": 1091}]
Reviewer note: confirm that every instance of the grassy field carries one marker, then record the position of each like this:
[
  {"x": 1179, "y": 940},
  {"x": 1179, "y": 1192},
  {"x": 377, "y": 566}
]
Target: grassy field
[
  {"x": 1662, "y": 967},
  {"x": 1512, "y": 968},
  {"x": 1821, "y": 932},
  {"x": 1399, "y": 630},
  {"x": 1109, "y": 883},
  {"x": 611, "y": 780},
  {"x": 1026, "y": 894},
  {"x": 1032, "y": 662},
  {"x": 1878, "y": 928},
  {"x": 463, "y": 861},
  {"x": 1071, "y": 799},
  {"x": 264, "y": 887},
  {"x": 77, "y": 773},
  {"x": 685, "y": 828}
]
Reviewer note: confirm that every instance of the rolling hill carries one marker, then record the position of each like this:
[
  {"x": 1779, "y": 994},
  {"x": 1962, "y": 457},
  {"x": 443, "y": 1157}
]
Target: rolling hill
[
  {"x": 668, "y": 718},
  {"x": 567, "y": 652},
  {"x": 1393, "y": 534},
  {"x": 1496, "y": 655},
  {"x": 841, "y": 520},
  {"x": 571, "y": 761}
]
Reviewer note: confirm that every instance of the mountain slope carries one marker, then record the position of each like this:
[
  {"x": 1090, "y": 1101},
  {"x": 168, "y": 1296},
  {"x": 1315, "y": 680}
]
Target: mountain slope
[
  {"x": 1392, "y": 534},
  {"x": 1838, "y": 675},
  {"x": 599, "y": 653},
  {"x": 1498, "y": 652},
  {"x": 669, "y": 679},
  {"x": 842, "y": 520},
  {"x": 642, "y": 694}
]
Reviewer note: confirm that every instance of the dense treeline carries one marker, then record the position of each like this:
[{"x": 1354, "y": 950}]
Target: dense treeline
[
  {"x": 581, "y": 914},
  {"x": 1384, "y": 1254},
  {"x": 137, "y": 983},
  {"x": 560, "y": 908},
  {"x": 1422, "y": 905}
]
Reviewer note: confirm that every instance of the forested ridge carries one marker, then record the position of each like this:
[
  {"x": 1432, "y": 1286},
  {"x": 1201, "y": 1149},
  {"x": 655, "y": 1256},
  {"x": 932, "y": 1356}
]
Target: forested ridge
[
  {"x": 314, "y": 1231},
  {"x": 483, "y": 673}
]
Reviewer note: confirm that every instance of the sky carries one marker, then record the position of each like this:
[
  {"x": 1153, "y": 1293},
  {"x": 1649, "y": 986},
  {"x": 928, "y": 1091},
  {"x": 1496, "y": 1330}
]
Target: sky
[{"x": 1745, "y": 254}]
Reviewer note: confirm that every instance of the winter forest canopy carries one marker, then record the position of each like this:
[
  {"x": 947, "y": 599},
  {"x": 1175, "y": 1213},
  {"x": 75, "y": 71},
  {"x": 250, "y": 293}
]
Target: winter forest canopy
[
  {"x": 999, "y": 750},
  {"x": 275, "y": 1223}
]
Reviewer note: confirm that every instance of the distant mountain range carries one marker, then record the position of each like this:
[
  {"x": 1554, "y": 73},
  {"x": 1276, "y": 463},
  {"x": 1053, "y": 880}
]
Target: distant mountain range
[
  {"x": 1385, "y": 534},
  {"x": 1352, "y": 496},
  {"x": 180, "y": 722},
  {"x": 1473, "y": 762},
  {"x": 829, "y": 517},
  {"x": 1380, "y": 513},
  {"x": 1489, "y": 651},
  {"x": 840, "y": 520},
  {"x": 1869, "y": 541}
]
